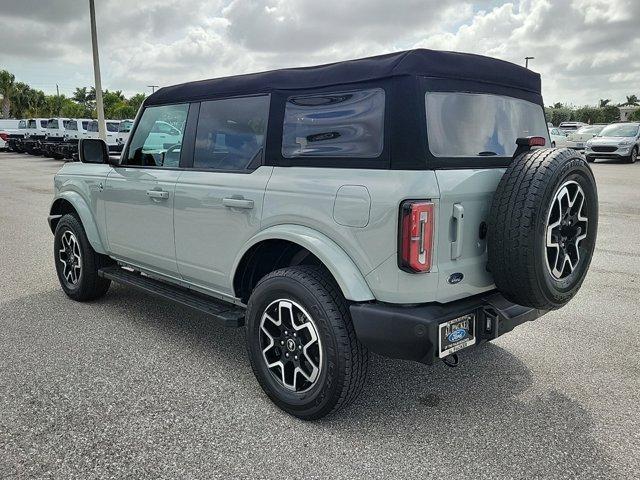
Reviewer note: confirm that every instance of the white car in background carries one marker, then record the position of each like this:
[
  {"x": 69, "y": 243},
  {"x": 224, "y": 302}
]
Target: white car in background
[
  {"x": 558, "y": 138},
  {"x": 577, "y": 139},
  {"x": 568, "y": 127},
  {"x": 123, "y": 134}
]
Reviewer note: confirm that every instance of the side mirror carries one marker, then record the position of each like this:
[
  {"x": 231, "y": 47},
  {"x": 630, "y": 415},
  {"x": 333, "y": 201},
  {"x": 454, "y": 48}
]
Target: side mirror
[{"x": 93, "y": 150}]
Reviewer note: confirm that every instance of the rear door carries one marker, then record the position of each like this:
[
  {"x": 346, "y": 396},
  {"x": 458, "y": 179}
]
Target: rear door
[
  {"x": 139, "y": 195},
  {"x": 219, "y": 199},
  {"x": 474, "y": 133}
]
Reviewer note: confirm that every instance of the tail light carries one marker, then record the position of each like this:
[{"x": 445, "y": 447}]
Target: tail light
[
  {"x": 4, "y": 136},
  {"x": 415, "y": 236}
]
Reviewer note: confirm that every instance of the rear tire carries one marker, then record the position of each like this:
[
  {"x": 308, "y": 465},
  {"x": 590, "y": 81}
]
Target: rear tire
[
  {"x": 77, "y": 263},
  {"x": 542, "y": 228},
  {"x": 311, "y": 296}
]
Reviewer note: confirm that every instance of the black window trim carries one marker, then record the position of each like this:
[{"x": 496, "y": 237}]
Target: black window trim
[
  {"x": 190, "y": 160},
  {"x": 274, "y": 139},
  {"x": 432, "y": 84},
  {"x": 189, "y": 137}
]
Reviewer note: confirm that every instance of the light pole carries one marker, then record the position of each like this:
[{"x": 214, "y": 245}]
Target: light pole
[
  {"x": 102, "y": 131},
  {"x": 526, "y": 61},
  {"x": 153, "y": 88}
]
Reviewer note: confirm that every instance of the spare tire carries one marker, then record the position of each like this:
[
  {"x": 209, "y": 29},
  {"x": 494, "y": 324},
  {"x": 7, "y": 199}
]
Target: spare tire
[{"x": 542, "y": 227}]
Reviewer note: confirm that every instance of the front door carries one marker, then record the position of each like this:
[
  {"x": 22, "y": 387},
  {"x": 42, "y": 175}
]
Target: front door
[
  {"x": 139, "y": 195},
  {"x": 218, "y": 201}
]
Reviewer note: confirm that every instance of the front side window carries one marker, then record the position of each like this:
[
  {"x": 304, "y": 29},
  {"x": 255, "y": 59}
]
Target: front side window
[
  {"x": 231, "y": 133},
  {"x": 53, "y": 123},
  {"x": 155, "y": 145},
  {"x": 92, "y": 126},
  {"x": 71, "y": 125},
  {"x": 32, "y": 124},
  {"x": 112, "y": 127},
  {"x": 480, "y": 125},
  {"x": 340, "y": 124},
  {"x": 43, "y": 123}
]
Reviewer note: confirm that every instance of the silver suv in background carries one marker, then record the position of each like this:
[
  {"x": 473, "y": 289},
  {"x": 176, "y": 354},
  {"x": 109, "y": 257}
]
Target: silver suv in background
[
  {"x": 335, "y": 210},
  {"x": 615, "y": 141},
  {"x": 579, "y": 138}
]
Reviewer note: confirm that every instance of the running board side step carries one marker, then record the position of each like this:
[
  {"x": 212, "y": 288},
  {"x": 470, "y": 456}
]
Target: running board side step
[{"x": 230, "y": 315}]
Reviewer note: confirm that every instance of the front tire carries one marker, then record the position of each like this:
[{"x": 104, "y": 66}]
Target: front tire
[
  {"x": 634, "y": 155},
  {"x": 77, "y": 263},
  {"x": 301, "y": 342}
]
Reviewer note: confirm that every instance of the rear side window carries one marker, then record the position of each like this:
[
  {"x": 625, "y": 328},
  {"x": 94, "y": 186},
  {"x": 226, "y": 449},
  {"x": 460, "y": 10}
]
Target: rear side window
[
  {"x": 157, "y": 140},
  {"x": 53, "y": 123},
  {"x": 71, "y": 125},
  {"x": 480, "y": 125},
  {"x": 43, "y": 123},
  {"x": 340, "y": 124},
  {"x": 32, "y": 124},
  {"x": 231, "y": 133}
]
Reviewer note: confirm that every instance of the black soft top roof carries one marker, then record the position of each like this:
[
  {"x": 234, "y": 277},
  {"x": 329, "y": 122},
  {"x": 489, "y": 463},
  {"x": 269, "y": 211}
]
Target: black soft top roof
[{"x": 421, "y": 62}]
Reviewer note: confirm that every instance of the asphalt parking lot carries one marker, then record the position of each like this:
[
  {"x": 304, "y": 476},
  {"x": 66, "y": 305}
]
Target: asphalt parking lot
[{"x": 135, "y": 387}]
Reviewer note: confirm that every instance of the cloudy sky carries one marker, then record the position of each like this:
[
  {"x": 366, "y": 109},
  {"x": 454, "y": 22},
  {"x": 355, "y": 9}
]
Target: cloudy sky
[{"x": 584, "y": 49}]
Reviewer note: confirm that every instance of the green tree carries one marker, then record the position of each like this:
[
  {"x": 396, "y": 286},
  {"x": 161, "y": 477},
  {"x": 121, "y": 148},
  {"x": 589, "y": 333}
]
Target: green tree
[
  {"x": 632, "y": 100},
  {"x": 603, "y": 103},
  {"x": 610, "y": 113},
  {"x": 7, "y": 87},
  {"x": 635, "y": 115}
]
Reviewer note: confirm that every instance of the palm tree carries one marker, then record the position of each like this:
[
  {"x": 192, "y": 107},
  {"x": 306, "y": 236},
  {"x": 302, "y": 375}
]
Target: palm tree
[
  {"x": 604, "y": 102},
  {"x": 632, "y": 100},
  {"x": 7, "y": 83}
]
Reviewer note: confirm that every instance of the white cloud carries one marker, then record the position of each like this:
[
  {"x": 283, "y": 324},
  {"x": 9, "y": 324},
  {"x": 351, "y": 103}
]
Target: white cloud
[{"x": 584, "y": 49}]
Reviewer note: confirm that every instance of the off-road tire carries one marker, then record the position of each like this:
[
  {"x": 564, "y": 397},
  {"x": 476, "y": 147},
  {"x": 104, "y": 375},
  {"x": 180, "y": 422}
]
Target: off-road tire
[
  {"x": 90, "y": 286},
  {"x": 517, "y": 227},
  {"x": 344, "y": 361}
]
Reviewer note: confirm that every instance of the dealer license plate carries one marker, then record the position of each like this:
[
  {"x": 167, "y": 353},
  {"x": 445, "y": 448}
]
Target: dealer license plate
[{"x": 457, "y": 334}]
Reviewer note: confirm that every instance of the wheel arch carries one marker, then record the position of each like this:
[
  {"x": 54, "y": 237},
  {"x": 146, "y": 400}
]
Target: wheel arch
[
  {"x": 287, "y": 245},
  {"x": 74, "y": 203}
]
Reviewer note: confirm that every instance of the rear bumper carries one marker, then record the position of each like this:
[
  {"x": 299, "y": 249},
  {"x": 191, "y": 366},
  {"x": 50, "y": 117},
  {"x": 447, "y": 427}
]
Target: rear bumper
[{"x": 411, "y": 332}]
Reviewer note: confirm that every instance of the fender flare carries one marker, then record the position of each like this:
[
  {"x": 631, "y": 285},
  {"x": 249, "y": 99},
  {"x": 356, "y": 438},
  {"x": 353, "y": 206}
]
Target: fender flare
[
  {"x": 86, "y": 217},
  {"x": 349, "y": 278}
]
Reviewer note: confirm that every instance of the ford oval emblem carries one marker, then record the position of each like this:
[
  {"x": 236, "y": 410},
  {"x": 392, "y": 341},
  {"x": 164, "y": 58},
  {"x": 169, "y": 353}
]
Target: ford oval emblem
[
  {"x": 455, "y": 278},
  {"x": 457, "y": 335}
]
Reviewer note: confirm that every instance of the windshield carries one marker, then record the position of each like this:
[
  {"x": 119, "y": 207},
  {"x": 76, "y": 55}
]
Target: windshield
[
  {"x": 592, "y": 129},
  {"x": 477, "y": 125},
  {"x": 125, "y": 126},
  {"x": 619, "y": 130}
]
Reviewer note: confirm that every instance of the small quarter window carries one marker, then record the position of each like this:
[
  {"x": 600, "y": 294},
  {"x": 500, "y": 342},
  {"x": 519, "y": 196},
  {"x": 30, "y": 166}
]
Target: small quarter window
[
  {"x": 231, "y": 133},
  {"x": 336, "y": 124},
  {"x": 157, "y": 139}
]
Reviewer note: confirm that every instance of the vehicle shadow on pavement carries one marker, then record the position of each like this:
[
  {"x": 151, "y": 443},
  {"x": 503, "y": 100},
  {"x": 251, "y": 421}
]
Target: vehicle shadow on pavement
[{"x": 132, "y": 360}]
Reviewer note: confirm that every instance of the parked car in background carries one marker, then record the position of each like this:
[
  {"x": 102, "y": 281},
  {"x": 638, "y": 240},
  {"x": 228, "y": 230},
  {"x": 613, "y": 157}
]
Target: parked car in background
[
  {"x": 4, "y": 138},
  {"x": 558, "y": 138},
  {"x": 568, "y": 127},
  {"x": 56, "y": 134},
  {"x": 75, "y": 129},
  {"x": 577, "y": 139},
  {"x": 618, "y": 141},
  {"x": 36, "y": 130},
  {"x": 123, "y": 134},
  {"x": 303, "y": 205},
  {"x": 15, "y": 137}
]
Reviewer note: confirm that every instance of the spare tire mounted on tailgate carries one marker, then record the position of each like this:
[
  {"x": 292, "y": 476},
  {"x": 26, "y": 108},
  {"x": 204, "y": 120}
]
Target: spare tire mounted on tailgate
[{"x": 542, "y": 227}]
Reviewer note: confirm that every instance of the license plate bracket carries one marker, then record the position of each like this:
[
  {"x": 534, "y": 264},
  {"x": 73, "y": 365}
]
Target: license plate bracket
[{"x": 456, "y": 334}]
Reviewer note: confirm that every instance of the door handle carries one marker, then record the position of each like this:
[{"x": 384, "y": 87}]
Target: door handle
[
  {"x": 458, "y": 219},
  {"x": 237, "y": 203},
  {"x": 158, "y": 194}
]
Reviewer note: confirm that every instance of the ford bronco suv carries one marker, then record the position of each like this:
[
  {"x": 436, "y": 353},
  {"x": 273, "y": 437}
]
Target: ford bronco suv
[{"x": 401, "y": 204}]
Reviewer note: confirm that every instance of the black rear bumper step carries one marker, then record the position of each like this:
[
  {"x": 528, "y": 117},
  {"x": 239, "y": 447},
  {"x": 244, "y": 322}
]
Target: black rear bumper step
[{"x": 230, "y": 315}]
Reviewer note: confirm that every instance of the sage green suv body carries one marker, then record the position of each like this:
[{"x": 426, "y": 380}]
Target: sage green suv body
[{"x": 349, "y": 205}]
